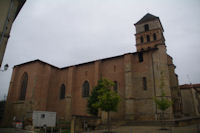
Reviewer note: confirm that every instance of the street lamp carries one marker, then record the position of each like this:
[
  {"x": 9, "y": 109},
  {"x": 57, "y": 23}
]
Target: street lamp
[{"x": 5, "y": 67}]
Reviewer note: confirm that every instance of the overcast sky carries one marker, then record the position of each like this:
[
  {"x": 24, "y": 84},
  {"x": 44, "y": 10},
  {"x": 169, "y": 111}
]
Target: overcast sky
[{"x": 68, "y": 32}]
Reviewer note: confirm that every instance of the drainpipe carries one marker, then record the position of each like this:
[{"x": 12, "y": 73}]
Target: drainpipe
[{"x": 6, "y": 24}]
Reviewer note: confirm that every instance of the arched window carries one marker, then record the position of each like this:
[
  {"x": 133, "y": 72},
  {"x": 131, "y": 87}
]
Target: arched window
[
  {"x": 24, "y": 83},
  {"x": 141, "y": 39},
  {"x": 115, "y": 87},
  {"x": 148, "y": 38},
  {"x": 154, "y": 36},
  {"x": 86, "y": 89},
  {"x": 62, "y": 91}
]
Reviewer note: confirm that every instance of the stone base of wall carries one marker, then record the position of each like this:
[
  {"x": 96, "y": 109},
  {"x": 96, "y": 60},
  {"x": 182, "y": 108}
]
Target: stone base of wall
[{"x": 84, "y": 123}]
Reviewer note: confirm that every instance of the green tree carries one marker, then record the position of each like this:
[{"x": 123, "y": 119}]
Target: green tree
[
  {"x": 92, "y": 109},
  {"x": 104, "y": 98},
  {"x": 163, "y": 102}
]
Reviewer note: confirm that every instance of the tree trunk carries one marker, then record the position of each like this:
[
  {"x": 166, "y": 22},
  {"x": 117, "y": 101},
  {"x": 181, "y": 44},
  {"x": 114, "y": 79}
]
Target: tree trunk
[
  {"x": 163, "y": 124},
  {"x": 108, "y": 121}
]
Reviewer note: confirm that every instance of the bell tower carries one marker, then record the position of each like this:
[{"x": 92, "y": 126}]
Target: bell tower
[{"x": 149, "y": 33}]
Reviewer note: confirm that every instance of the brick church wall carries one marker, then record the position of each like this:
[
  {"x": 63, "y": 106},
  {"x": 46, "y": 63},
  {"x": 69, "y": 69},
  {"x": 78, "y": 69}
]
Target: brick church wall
[{"x": 138, "y": 75}]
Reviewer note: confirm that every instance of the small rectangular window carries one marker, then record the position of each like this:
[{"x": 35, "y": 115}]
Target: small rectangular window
[
  {"x": 114, "y": 68},
  {"x": 154, "y": 36},
  {"x": 148, "y": 38},
  {"x": 146, "y": 27},
  {"x": 144, "y": 83},
  {"x": 140, "y": 57},
  {"x": 141, "y": 39},
  {"x": 115, "y": 86},
  {"x": 43, "y": 116}
]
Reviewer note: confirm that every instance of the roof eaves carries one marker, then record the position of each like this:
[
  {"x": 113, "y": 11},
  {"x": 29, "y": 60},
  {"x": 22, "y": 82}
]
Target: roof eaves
[{"x": 152, "y": 49}]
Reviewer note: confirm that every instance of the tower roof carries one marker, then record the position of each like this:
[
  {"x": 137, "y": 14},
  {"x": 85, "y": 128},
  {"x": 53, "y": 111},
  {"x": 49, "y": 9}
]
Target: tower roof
[
  {"x": 146, "y": 18},
  {"x": 20, "y": 5}
]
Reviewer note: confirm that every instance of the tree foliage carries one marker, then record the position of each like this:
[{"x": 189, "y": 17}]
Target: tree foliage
[
  {"x": 92, "y": 109},
  {"x": 103, "y": 97},
  {"x": 163, "y": 103},
  {"x": 108, "y": 101}
]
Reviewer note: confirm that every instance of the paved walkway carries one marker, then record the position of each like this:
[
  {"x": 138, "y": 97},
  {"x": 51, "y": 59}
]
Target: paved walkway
[
  {"x": 152, "y": 129},
  {"x": 13, "y": 130},
  {"x": 128, "y": 129}
]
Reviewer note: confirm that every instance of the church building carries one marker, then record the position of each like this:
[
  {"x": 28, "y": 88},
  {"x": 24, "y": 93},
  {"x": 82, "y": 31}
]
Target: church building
[{"x": 39, "y": 86}]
